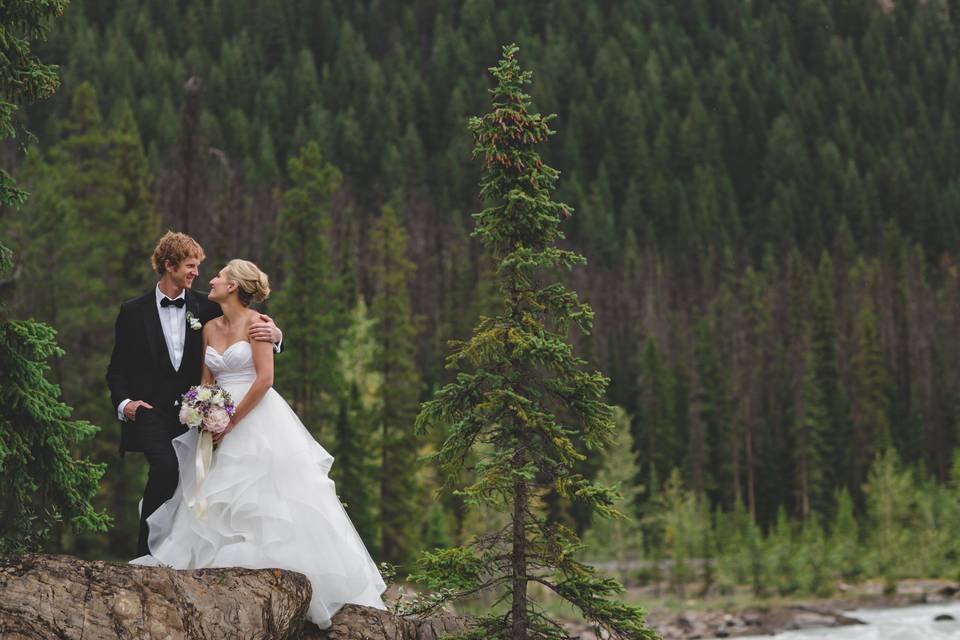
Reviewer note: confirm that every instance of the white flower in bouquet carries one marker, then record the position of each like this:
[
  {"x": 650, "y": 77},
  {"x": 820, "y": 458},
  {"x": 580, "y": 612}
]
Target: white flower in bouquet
[
  {"x": 190, "y": 416},
  {"x": 204, "y": 394}
]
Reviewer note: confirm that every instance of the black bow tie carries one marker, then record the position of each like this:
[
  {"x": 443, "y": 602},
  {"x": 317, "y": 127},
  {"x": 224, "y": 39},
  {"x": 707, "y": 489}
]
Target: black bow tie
[{"x": 178, "y": 303}]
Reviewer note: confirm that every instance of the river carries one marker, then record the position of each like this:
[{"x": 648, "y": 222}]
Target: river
[{"x": 898, "y": 623}]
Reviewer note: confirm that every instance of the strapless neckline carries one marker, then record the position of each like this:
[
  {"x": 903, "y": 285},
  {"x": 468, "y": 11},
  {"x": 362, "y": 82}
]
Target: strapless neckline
[
  {"x": 233, "y": 366},
  {"x": 227, "y": 350}
]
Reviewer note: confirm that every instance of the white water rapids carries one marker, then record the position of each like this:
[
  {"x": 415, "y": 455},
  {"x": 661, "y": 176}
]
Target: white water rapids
[{"x": 898, "y": 623}]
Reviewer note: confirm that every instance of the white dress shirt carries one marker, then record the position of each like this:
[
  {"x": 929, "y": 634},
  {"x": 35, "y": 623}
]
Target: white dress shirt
[{"x": 173, "y": 322}]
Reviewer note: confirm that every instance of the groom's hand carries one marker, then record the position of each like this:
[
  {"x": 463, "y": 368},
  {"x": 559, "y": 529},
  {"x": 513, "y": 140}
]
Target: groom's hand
[
  {"x": 265, "y": 330},
  {"x": 130, "y": 411}
]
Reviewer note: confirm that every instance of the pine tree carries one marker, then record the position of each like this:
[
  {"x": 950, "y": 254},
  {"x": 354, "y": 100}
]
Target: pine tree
[
  {"x": 680, "y": 529},
  {"x": 809, "y": 424},
  {"x": 709, "y": 400},
  {"x": 619, "y": 537},
  {"x": 308, "y": 297},
  {"x": 871, "y": 388},
  {"x": 357, "y": 466},
  {"x": 810, "y": 559},
  {"x": 755, "y": 347},
  {"x": 890, "y": 509},
  {"x": 653, "y": 426},
  {"x": 41, "y": 480},
  {"x": 779, "y": 553},
  {"x": 823, "y": 345},
  {"x": 521, "y": 396},
  {"x": 845, "y": 546},
  {"x": 395, "y": 332},
  {"x": 354, "y": 468}
]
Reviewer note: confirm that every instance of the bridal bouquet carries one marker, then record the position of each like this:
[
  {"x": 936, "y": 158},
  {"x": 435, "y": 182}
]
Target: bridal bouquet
[{"x": 207, "y": 407}]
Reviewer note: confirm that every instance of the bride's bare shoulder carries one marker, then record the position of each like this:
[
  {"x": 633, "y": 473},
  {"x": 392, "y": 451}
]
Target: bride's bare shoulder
[
  {"x": 212, "y": 325},
  {"x": 252, "y": 318}
]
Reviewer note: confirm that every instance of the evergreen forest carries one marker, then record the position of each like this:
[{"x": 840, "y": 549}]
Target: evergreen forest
[{"x": 767, "y": 194}]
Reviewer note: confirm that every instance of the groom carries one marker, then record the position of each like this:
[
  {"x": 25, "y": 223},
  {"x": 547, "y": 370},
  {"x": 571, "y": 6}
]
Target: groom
[{"x": 156, "y": 358}]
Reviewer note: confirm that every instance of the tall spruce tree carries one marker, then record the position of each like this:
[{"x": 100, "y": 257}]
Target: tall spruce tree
[
  {"x": 41, "y": 480},
  {"x": 394, "y": 332},
  {"x": 521, "y": 397},
  {"x": 357, "y": 464},
  {"x": 809, "y": 424},
  {"x": 653, "y": 435},
  {"x": 308, "y": 299},
  {"x": 870, "y": 404},
  {"x": 823, "y": 345}
]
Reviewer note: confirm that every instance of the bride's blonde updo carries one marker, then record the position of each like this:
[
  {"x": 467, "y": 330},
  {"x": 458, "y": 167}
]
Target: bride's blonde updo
[{"x": 253, "y": 286}]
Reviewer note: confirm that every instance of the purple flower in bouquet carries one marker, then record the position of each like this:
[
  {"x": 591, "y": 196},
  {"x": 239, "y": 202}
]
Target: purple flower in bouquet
[{"x": 207, "y": 407}]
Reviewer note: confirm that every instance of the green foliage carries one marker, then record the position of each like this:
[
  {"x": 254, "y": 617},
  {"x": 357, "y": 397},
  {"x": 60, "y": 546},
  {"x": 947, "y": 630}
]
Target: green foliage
[
  {"x": 810, "y": 559},
  {"x": 619, "y": 539},
  {"x": 845, "y": 547},
  {"x": 717, "y": 166},
  {"x": 309, "y": 297},
  {"x": 355, "y": 435},
  {"x": 890, "y": 508},
  {"x": 23, "y": 78},
  {"x": 870, "y": 411},
  {"x": 781, "y": 570},
  {"x": 43, "y": 482},
  {"x": 84, "y": 240},
  {"x": 653, "y": 436},
  {"x": 355, "y": 467},
  {"x": 394, "y": 332},
  {"x": 682, "y": 527},
  {"x": 521, "y": 398}
]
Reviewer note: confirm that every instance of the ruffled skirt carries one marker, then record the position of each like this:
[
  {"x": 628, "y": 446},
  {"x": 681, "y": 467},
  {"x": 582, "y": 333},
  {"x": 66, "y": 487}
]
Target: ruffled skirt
[{"x": 266, "y": 502}]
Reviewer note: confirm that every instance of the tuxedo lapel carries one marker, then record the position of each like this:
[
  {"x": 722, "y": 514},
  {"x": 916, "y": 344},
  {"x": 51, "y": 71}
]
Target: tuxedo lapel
[
  {"x": 151, "y": 320},
  {"x": 193, "y": 338}
]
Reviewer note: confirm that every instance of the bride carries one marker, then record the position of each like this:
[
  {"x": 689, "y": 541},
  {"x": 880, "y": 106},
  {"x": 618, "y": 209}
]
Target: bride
[{"x": 267, "y": 501}]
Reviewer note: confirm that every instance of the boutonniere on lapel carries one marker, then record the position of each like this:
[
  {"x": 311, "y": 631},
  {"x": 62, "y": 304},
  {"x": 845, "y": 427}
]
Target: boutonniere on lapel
[{"x": 193, "y": 322}]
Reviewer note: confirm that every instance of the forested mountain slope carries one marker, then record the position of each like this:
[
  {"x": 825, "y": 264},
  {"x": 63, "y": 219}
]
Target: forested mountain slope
[{"x": 768, "y": 193}]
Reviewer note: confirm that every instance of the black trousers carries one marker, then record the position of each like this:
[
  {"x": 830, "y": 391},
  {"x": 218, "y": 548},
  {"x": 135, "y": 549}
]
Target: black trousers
[{"x": 153, "y": 432}]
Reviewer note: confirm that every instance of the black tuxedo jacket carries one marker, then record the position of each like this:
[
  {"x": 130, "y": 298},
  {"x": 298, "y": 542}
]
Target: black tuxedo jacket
[{"x": 140, "y": 366}]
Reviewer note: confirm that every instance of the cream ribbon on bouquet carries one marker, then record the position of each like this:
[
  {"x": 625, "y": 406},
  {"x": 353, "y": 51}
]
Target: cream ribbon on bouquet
[
  {"x": 208, "y": 408},
  {"x": 203, "y": 460}
]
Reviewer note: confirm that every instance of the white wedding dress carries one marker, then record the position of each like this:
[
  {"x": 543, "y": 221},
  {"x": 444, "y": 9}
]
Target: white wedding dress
[{"x": 266, "y": 502}]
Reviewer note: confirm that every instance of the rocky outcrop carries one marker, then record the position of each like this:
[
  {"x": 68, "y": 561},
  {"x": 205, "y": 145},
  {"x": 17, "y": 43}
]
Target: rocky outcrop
[
  {"x": 64, "y": 597},
  {"x": 363, "y": 623}
]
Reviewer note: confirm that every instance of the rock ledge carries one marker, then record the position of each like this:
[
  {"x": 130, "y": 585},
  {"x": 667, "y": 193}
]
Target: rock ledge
[{"x": 43, "y": 596}]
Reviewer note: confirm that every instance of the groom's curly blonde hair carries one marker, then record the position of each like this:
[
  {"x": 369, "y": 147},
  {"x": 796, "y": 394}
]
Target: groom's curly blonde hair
[{"x": 175, "y": 247}]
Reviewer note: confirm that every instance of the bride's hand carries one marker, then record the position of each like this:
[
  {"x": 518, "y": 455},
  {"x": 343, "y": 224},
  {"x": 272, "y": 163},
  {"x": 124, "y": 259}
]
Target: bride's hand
[{"x": 217, "y": 437}]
